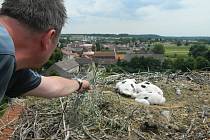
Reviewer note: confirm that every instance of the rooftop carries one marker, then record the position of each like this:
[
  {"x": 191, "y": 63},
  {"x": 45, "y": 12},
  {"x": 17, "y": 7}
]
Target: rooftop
[
  {"x": 106, "y": 54},
  {"x": 67, "y": 64}
]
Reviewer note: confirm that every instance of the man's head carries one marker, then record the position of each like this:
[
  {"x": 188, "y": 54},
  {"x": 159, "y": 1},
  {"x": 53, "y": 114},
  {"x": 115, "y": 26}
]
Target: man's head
[
  {"x": 39, "y": 15},
  {"x": 44, "y": 18}
]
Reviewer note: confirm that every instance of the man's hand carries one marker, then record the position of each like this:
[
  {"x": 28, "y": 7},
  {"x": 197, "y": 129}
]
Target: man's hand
[{"x": 85, "y": 86}]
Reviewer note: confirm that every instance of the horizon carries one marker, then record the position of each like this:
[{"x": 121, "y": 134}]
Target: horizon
[
  {"x": 180, "y": 18},
  {"x": 130, "y": 34}
]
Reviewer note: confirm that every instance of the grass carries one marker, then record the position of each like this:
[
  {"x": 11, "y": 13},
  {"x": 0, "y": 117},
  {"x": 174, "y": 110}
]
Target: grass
[
  {"x": 3, "y": 106},
  {"x": 3, "y": 109},
  {"x": 173, "y": 51},
  {"x": 176, "y": 51}
]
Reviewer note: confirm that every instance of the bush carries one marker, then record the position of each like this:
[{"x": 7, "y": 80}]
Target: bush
[
  {"x": 158, "y": 49},
  {"x": 167, "y": 64},
  {"x": 208, "y": 55},
  {"x": 198, "y": 50},
  {"x": 189, "y": 63},
  {"x": 201, "y": 62},
  {"x": 178, "y": 64},
  {"x": 143, "y": 64},
  {"x": 140, "y": 64}
]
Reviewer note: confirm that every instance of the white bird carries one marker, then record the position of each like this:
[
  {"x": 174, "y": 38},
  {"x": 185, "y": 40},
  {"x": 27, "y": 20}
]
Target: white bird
[
  {"x": 126, "y": 87},
  {"x": 152, "y": 98},
  {"x": 145, "y": 92},
  {"x": 148, "y": 87},
  {"x": 142, "y": 101}
]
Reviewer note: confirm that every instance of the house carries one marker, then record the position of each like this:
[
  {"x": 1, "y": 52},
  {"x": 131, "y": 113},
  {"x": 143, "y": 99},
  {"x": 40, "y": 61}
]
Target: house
[
  {"x": 122, "y": 48},
  {"x": 139, "y": 50},
  {"x": 79, "y": 47},
  {"x": 105, "y": 58},
  {"x": 87, "y": 47},
  {"x": 89, "y": 54},
  {"x": 64, "y": 68},
  {"x": 108, "y": 46},
  {"x": 84, "y": 63},
  {"x": 75, "y": 47},
  {"x": 68, "y": 54}
]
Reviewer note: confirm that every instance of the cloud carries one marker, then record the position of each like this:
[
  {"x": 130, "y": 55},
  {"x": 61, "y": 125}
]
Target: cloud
[
  {"x": 122, "y": 9},
  {"x": 164, "y": 17}
]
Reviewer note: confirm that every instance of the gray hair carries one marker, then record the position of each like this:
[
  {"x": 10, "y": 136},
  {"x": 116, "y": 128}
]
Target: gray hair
[{"x": 39, "y": 15}]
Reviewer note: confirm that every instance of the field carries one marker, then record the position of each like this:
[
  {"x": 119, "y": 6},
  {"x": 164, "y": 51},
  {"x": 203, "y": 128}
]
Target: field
[{"x": 173, "y": 51}]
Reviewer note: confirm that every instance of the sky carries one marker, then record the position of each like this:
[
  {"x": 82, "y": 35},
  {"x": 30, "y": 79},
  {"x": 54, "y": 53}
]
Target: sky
[{"x": 162, "y": 17}]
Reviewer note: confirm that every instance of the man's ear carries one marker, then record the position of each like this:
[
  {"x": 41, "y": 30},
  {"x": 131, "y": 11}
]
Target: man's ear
[{"x": 48, "y": 39}]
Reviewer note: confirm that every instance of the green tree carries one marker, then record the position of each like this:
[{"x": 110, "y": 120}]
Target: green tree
[
  {"x": 198, "y": 50},
  {"x": 189, "y": 63},
  {"x": 179, "y": 64},
  {"x": 55, "y": 57},
  {"x": 98, "y": 46},
  {"x": 208, "y": 55},
  {"x": 178, "y": 43},
  {"x": 158, "y": 49},
  {"x": 143, "y": 64},
  {"x": 134, "y": 64},
  {"x": 153, "y": 64},
  {"x": 167, "y": 64},
  {"x": 201, "y": 62}
]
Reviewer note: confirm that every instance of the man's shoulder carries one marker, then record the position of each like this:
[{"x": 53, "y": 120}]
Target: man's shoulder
[
  {"x": 7, "y": 67},
  {"x": 7, "y": 64},
  {"x": 6, "y": 42}
]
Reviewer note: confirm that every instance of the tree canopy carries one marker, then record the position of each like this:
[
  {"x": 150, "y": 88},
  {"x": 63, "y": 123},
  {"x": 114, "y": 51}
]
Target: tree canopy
[
  {"x": 158, "y": 49},
  {"x": 198, "y": 50}
]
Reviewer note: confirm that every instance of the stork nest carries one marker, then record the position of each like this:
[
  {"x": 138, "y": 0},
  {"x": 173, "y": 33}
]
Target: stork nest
[{"x": 103, "y": 114}]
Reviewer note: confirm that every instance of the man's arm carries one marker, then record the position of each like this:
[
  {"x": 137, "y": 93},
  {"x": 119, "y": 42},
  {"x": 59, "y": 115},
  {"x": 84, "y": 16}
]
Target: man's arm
[{"x": 51, "y": 87}]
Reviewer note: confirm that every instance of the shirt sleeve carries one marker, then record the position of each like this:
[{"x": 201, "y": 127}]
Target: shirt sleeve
[
  {"x": 23, "y": 81},
  {"x": 7, "y": 63}
]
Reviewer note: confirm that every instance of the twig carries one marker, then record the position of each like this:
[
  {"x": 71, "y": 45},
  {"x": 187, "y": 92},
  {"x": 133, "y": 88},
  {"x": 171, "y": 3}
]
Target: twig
[
  {"x": 63, "y": 116},
  {"x": 67, "y": 134},
  {"x": 139, "y": 134},
  {"x": 88, "y": 134},
  {"x": 35, "y": 120},
  {"x": 129, "y": 132},
  {"x": 191, "y": 125},
  {"x": 9, "y": 123}
]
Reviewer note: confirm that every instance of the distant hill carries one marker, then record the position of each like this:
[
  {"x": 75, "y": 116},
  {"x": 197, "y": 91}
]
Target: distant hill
[{"x": 143, "y": 36}]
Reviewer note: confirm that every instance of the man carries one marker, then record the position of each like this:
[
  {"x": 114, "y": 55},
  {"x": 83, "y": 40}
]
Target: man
[{"x": 29, "y": 32}]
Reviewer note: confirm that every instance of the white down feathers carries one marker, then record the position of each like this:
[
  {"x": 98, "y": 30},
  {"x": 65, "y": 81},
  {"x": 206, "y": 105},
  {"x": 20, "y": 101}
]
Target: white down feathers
[{"x": 145, "y": 92}]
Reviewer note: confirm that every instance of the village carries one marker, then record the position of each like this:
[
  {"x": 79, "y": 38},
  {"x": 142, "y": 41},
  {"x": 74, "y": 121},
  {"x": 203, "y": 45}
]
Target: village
[{"x": 78, "y": 54}]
